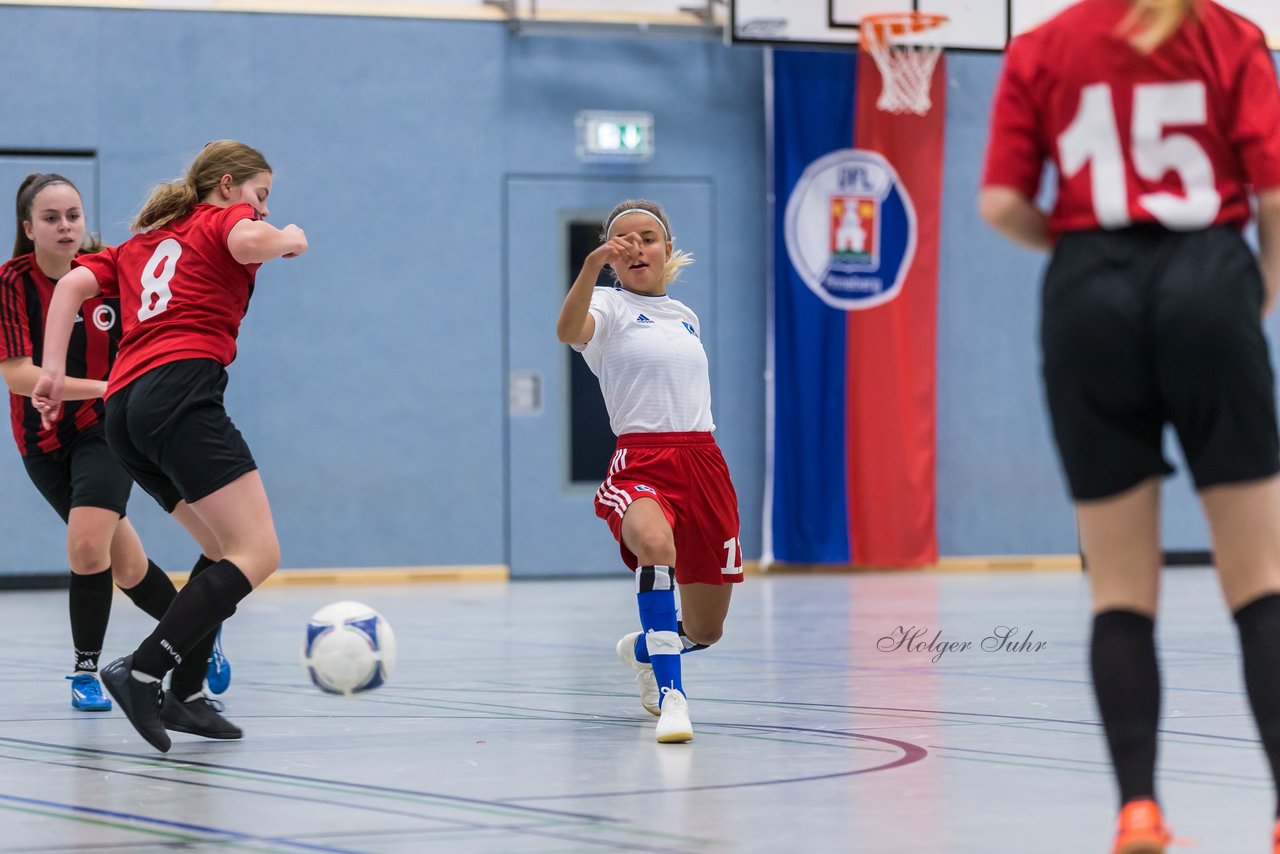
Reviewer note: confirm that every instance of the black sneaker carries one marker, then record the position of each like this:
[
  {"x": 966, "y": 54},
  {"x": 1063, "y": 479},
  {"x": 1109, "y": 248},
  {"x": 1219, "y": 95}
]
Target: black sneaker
[
  {"x": 198, "y": 717},
  {"x": 140, "y": 701}
]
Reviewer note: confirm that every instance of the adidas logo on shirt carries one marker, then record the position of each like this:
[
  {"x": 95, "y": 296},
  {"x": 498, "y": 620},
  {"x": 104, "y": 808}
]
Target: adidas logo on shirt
[{"x": 642, "y": 319}]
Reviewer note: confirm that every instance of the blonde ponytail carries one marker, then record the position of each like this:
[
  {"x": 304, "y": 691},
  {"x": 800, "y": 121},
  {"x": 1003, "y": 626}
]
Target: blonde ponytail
[
  {"x": 678, "y": 261},
  {"x": 166, "y": 203},
  {"x": 221, "y": 157},
  {"x": 1150, "y": 23}
]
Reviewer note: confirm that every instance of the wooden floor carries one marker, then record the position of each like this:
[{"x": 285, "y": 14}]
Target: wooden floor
[{"x": 509, "y": 726}]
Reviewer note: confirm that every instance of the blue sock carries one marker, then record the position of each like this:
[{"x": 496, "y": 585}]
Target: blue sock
[
  {"x": 642, "y": 648},
  {"x": 656, "y": 596}
]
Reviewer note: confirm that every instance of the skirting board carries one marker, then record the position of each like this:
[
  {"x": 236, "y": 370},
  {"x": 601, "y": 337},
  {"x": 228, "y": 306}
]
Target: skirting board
[{"x": 377, "y": 575}]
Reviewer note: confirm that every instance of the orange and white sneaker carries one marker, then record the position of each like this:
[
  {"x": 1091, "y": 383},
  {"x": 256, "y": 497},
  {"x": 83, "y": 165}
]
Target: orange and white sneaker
[
  {"x": 1275, "y": 839},
  {"x": 1141, "y": 830}
]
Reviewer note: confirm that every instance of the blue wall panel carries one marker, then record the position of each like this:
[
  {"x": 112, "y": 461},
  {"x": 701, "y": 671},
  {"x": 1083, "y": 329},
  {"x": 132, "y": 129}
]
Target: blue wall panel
[{"x": 370, "y": 381}]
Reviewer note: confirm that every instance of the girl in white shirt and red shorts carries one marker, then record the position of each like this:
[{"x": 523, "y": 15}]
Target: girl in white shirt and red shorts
[{"x": 668, "y": 491}]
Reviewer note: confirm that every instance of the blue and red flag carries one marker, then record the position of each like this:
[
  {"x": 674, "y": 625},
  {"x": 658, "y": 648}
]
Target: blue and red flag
[{"x": 853, "y": 438}]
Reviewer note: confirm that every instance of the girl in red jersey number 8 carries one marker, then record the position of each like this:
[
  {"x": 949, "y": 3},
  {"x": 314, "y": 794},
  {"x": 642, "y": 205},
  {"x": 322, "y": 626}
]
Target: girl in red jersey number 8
[
  {"x": 668, "y": 492},
  {"x": 1162, "y": 117},
  {"x": 184, "y": 282}
]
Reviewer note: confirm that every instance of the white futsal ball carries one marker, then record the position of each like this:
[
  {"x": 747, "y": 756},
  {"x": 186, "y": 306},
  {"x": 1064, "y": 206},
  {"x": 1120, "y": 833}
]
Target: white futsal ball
[{"x": 349, "y": 648}]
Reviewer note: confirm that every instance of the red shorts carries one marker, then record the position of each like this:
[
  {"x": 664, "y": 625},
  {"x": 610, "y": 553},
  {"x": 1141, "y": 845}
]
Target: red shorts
[{"x": 686, "y": 474}]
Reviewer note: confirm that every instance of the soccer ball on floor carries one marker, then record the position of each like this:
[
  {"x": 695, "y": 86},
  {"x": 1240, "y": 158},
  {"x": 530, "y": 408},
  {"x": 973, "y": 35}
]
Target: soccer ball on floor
[{"x": 349, "y": 648}]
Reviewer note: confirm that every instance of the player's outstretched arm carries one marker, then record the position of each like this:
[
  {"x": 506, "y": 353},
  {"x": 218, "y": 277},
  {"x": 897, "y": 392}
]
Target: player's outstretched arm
[
  {"x": 256, "y": 241},
  {"x": 1015, "y": 216},
  {"x": 21, "y": 375},
  {"x": 576, "y": 325},
  {"x": 50, "y": 389},
  {"x": 1269, "y": 244}
]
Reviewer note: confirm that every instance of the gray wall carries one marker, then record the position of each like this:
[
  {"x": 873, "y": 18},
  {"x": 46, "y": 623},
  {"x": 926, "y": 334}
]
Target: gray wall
[{"x": 371, "y": 375}]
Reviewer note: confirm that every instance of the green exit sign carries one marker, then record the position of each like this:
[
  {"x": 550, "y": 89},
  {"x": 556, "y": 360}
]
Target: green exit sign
[{"x": 614, "y": 137}]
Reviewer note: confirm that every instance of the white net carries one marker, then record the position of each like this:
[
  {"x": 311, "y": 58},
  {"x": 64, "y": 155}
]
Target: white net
[{"x": 906, "y": 48}]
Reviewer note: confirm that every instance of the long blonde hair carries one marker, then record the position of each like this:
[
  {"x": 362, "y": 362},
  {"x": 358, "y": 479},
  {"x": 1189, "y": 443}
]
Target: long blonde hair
[
  {"x": 679, "y": 258},
  {"x": 1152, "y": 22},
  {"x": 221, "y": 157}
]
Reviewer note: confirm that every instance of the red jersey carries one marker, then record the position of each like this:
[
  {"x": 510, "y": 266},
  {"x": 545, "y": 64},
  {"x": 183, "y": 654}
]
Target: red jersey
[
  {"x": 182, "y": 295},
  {"x": 25, "y": 292},
  {"x": 1176, "y": 137}
]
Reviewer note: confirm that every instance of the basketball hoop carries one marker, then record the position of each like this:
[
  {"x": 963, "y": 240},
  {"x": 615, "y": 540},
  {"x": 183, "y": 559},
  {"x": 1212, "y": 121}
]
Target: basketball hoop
[{"x": 906, "y": 47}]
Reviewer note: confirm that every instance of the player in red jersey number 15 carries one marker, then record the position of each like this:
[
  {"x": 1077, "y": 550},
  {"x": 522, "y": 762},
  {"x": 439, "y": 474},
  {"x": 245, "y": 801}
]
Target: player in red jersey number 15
[{"x": 1162, "y": 118}]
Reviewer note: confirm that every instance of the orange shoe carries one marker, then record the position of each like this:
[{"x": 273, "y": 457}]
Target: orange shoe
[
  {"x": 1141, "y": 829},
  {"x": 1275, "y": 839}
]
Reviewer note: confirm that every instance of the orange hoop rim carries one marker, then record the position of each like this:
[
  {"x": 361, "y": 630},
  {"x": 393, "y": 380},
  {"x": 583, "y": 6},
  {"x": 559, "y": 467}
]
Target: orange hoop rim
[{"x": 886, "y": 26}]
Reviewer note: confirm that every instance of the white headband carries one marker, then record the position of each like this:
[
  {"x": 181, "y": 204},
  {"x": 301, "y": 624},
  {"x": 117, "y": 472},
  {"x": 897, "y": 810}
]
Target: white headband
[{"x": 651, "y": 214}]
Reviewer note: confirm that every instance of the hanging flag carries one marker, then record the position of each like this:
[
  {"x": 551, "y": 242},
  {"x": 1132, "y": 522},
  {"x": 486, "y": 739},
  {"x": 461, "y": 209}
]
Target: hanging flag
[{"x": 854, "y": 317}]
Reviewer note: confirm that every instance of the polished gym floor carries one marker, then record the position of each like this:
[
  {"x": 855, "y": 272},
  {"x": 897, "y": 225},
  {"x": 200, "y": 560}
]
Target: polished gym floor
[{"x": 823, "y": 723}]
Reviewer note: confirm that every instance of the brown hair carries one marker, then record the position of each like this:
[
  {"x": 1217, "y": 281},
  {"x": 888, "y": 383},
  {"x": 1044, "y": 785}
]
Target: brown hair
[
  {"x": 27, "y": 192},
  {"x": 1152, "y": 22},
  {"x": 221, "y": 157},
  {"x": 679, "y": 258}
]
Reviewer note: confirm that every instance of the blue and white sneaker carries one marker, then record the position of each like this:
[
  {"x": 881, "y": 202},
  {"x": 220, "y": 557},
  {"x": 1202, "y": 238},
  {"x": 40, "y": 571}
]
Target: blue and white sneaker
[
  {"x": 86, "y": 693},
  {"x": 218, "y": 675}
]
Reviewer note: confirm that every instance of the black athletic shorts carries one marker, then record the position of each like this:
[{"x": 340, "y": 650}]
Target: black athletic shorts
[
  {"x": 83, "y": 473},
  {"x": 172, "y": 433},
  {"x": 1145, "y": 327}
]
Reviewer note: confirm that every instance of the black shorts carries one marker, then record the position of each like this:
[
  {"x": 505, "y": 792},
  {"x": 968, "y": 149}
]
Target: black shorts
[
  {"x": 83, "y": 473},
  {"x": 172, "y": 433},
  {"x": 1145, "y": 327}
]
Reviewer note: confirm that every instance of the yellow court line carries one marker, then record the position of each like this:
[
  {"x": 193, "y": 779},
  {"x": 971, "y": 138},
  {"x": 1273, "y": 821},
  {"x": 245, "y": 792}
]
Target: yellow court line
[
  {"x": 501, "y": 572},
  {"x": 377, "y": 575},
  {"x": 973, "y": 563}
]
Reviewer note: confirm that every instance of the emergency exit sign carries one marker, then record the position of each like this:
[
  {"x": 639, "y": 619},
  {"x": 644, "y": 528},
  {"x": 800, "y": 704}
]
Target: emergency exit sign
[{"x": 614, "y": 137}]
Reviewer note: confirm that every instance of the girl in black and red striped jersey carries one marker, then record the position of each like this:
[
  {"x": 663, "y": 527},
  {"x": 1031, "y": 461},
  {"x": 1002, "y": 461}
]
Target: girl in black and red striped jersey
[
  {"x": 184, "y": 282},
  {"x": 1162, "y": 118},
  {"x": 70, "y": 463}
]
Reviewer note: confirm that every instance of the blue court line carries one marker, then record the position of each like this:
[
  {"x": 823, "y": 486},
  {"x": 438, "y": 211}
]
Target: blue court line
[
  {"x": 358, "y": 787},
  {"x": 455, "y": 823},
  {"x": 173, "y": 825}
]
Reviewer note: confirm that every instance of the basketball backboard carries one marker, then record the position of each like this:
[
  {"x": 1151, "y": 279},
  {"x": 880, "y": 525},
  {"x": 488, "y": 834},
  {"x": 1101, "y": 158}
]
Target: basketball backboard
[{"x": 974, "y": 24}]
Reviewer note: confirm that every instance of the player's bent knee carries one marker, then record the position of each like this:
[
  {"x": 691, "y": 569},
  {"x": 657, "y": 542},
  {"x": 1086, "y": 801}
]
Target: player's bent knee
[
  {"x": 126, "y": 576},
  {"x": 88, "y": 556},
  {"x": 654, "y": 547},
  {"x": 704, "y": 635}
]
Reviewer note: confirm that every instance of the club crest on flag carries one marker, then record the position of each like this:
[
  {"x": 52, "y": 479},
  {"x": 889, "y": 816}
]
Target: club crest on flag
[
  {"x": 853, "y": 229},
  {"x": 850, "y": 229}
]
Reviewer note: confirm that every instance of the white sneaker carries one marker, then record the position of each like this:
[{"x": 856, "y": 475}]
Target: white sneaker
[
  {"x": 674, "y": 726},
  {"x": 649, "y": 696}
]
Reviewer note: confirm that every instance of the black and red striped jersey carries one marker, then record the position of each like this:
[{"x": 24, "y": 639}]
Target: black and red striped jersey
[{"x": 25, "y": 292}]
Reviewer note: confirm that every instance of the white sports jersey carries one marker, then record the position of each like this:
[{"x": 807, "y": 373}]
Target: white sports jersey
[{"x": 649, "y": 358}]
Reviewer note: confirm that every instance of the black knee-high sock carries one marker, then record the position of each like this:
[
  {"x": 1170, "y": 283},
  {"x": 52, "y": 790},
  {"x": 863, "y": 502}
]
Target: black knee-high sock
[
  {"x": 90, "y": 603},
  {"x": 1259, "y": 625},
  {"x": 188, "y": 677},
  {"x": 199, "y": 606},
  {"x": 153, "y": 593},
  {"x": 1126, "y": 682}
]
